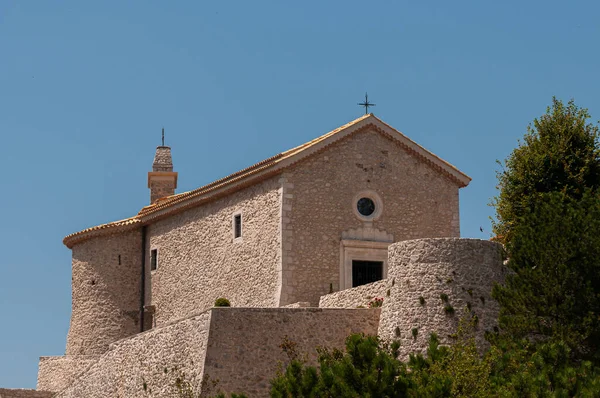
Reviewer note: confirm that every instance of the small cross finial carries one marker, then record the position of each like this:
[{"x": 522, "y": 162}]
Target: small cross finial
[
  {"x": 366, "y": 104},
  {"x": 163, "y": 136}
]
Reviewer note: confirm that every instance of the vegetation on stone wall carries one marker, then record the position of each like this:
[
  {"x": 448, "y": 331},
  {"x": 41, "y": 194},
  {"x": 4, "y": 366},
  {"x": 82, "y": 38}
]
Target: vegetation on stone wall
[{"x": 222, "y": 302}]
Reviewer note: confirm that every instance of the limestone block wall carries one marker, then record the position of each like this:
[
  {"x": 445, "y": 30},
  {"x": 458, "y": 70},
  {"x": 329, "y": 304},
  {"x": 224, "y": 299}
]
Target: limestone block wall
[
  {"x": 244, "y": 350},
  {"x": 23, "y": 393},
  {"x": 199, "y": 260},
  {"x": 57, "y": 373},
  {"x": 106, "y": 279},
  {"x": 123, "y": 370},
  {"x": 355, "y": 297},
  {"x": 464, "y": 270},
  {"x": 418, "y": 202},
  {"x": 237, "y": 347}
]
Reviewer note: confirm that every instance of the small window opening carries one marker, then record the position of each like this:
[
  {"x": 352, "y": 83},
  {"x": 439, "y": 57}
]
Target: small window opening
[
  {"x": 119, "y": 259},
  {"x": 153, "y": 259},
  {"x": 237, "y": 225}
]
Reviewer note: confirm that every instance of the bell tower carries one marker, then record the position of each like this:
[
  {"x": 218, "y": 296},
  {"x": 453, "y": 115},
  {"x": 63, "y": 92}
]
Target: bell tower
[{"x": 162, "y": 180}]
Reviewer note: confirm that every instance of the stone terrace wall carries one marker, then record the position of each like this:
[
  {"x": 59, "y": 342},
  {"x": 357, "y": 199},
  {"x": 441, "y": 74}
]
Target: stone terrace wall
[
  {"x": 57, "y": 373},
  {"x": 122, "y": 371},
  {"x": 243, "y": 348},
  {"x": 23, "y": 393},
  {"x": 357, "y": 296},
  {"x": 463, "y": 269}
]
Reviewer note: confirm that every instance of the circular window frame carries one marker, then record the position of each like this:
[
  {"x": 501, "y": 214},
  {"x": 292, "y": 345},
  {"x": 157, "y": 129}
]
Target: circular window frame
[{"x": 376, "y": 200}]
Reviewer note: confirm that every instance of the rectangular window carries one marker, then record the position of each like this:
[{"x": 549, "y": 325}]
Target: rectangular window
[
  {"x": 237, "y": 226},
  {"x": 153, "y": 259}
]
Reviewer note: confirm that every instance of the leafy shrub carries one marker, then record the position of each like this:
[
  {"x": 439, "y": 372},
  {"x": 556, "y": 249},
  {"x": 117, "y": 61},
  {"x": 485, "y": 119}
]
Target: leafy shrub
[{"x": 222, "y": 302}]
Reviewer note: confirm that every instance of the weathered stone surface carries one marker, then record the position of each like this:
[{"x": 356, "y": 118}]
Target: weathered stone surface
[
  {"x": 244, "y": 350},
  {"x": 299, "y": 304},
  {"x": 162, "y": 159},
  {"x": 141, "y": 360},
  {"x": 199, "y": 260},
  {"x": 319, "y": 193},
  {"x": 463, "y": 269},
  {"x": 57, "y": 373},
  {"x": 106, "y": 292},
  {"x": 23, "y": 393},
  {"x": 355, "y": 297},
  {"x": 238, "y": 347}
]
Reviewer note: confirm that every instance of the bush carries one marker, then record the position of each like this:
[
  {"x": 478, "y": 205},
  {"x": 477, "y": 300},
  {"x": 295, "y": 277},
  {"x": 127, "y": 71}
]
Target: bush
[{"x": 222, "y": 302}]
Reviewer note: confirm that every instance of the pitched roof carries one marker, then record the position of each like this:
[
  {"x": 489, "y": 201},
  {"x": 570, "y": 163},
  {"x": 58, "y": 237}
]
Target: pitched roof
[{"x": 265, "y": 169}]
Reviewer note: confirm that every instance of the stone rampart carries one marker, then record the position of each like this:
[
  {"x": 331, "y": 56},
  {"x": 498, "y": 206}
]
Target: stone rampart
[
  {"x": 355, "y": 297},
  {"x": 244, "y": 350},
  {"x": 237, "y": 347},
  {"x": 435, "y": 282},
  {"x": 142, "y": 365},
  {"x": 57, "y": 373},
  {"x": 23, "y": 393}
]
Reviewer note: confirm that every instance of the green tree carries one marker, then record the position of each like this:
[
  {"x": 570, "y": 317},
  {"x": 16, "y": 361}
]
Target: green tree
[
  {"x": 559, "y": 153},
  {"x": 548, "y": 217},
  {"x": 554, "y": 290}
]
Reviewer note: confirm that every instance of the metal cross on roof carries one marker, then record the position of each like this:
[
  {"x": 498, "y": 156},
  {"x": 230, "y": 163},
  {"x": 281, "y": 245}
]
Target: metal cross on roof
[{"x": 366, "y": 104}]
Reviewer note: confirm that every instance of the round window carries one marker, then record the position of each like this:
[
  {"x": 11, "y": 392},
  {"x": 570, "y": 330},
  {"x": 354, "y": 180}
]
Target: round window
[{"x": 365, "y": 206}]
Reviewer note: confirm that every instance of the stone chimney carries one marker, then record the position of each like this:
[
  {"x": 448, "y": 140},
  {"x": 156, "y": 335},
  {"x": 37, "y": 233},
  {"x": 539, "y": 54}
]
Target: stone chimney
[{"x": 162, "y": 180}]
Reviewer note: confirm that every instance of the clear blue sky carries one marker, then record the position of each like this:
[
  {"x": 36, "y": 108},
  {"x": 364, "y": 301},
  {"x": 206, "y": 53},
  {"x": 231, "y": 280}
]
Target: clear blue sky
[{"x": 85, "y": 88}]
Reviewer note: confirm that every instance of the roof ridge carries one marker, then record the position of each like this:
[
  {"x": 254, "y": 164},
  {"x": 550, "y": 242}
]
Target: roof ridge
[{"x": 260, "y": 169}]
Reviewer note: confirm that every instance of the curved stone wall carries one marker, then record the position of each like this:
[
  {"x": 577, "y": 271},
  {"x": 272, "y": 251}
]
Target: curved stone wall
[
  {"x": 422, "y": 273},
  {"x": 106, "y": 292}
]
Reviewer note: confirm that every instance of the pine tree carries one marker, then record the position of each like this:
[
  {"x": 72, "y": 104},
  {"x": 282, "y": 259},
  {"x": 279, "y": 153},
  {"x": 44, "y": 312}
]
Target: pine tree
[
  {"x": 559, "y": 153},
  {"x": 548, "y": 213}
]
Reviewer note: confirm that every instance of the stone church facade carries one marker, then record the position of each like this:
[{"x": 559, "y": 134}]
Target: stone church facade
[
  {"x": 301, "y": 232},
  {"x": 314, "y": 226}
]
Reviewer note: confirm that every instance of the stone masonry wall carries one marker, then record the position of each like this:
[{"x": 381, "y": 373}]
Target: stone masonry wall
[
  {"x": 463, "y": 269},
  {"x": 57, "y": 373},
  {"x": 355, "y": 297},
  {"x": 244, "y": 350},
  {"x": 238, "y": 347},
  {"x": 199, "y": 260},
  {"x": 418, "y": 202},
  {"x": 105, "y": 292},
  {"x": 23, "y": 393},
  {"x": 161, "y": 188},
  {"x": 141, "y": 360}
]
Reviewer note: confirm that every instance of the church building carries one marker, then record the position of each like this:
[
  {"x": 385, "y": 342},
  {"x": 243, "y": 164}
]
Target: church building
[{"x": 309, "y": 221}]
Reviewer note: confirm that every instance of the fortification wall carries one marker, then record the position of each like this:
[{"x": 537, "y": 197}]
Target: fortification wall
[
  {"x": 355, "y": 297},
  {"x": 141, "y": 360},
  {"x": 319, "y": 205},
  {"x": 463, "y": 269},
  {"x": 57, "y": 373},
  {"x": 244, "y": 350},
  {"x": 23, "y": 393},
  {"x": 238, "y": 347},
  {"x": 199, "y": 260},
  {"x": 105, "y": 292}
]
